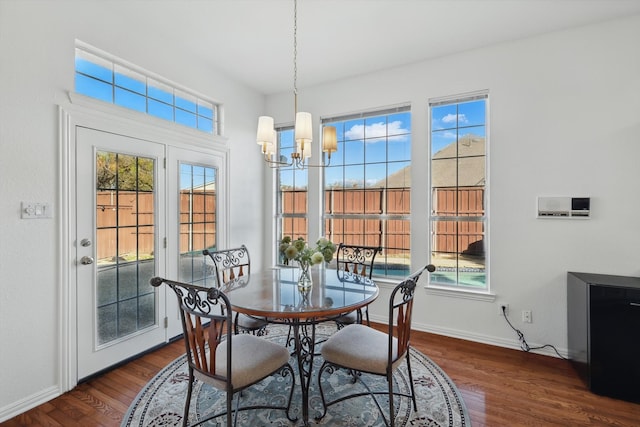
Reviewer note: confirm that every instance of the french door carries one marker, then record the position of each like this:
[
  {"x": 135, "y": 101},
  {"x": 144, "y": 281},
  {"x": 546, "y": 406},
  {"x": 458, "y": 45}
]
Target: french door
[
  {"x": 195, "y": 216},
  {"x": 143, "y": 207},
  {"x": 120, "y": 213}
]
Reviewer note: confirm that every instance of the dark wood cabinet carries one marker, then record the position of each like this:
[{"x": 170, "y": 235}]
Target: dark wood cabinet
[{"x": 604, "y": 332}]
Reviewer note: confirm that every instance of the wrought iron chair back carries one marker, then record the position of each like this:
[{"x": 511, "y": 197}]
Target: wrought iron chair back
[
  {"x": 401, "y": 310},
  {"x": 199, "y": 306},
  {"x": 229, "y": 265},
  {"x": 356, "y": 261}
]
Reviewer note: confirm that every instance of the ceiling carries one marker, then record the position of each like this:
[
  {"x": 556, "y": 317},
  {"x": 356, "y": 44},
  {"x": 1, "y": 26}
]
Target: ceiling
[{"x": 252, "y": 40}]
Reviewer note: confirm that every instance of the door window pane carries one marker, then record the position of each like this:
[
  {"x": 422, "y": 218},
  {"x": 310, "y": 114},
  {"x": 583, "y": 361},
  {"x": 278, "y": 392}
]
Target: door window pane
[
  {"x": 197, "y": 220},
  {"x": 125, "y": 244}
]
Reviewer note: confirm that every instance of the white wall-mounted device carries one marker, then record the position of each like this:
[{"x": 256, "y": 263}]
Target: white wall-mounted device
[{"x": 564, "y": 207}]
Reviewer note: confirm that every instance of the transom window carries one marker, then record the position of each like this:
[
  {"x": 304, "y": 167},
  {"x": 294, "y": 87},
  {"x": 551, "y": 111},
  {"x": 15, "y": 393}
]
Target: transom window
[
  {"x": 110, "y": 80},
  {"x": 458, "y": 219},
  {"x": 367, "y": 187}
]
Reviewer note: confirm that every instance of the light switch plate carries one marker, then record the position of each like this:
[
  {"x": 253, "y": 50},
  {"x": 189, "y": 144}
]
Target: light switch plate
[{"x": 35, "y": 210}]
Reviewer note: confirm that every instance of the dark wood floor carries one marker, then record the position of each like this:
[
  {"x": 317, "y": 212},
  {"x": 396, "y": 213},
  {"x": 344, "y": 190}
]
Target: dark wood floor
[{"x": 500, "y": 387}]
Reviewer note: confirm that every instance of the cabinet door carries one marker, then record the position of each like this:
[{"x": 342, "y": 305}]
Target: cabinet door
[{"x": 615, "y": 342}]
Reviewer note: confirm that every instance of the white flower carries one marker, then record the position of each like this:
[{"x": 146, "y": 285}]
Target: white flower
[
  {"x": 317, "y": 258},
  {"x": 299, "y": 251}
]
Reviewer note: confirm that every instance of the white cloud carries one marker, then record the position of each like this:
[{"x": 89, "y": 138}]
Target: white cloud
[
  {"x": 451, "y": 118},
  {"x": 376, "y": 130}
]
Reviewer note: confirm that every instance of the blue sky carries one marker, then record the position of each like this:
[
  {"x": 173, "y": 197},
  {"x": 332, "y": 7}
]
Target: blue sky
[
  {"x": 369, "y": 150},
  {"x": 373, "y": 148},
  {"x": 448, "y": 122},
  {"x": 194, "y": 176}
]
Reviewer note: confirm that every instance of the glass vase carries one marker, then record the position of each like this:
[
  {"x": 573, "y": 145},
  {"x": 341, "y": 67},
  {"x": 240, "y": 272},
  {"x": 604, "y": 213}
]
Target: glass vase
[{"x": 304, "y": 279}]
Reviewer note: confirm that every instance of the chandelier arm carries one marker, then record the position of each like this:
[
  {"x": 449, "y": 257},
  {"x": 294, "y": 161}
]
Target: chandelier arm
[
  {"x": 277, "y": 163},
  {"x": 301, "y": 164}
]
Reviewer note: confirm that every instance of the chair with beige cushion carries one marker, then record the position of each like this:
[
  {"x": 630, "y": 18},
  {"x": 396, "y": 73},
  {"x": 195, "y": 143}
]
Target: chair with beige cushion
[
  {"x": 361, "y": 349},
  {"x": 218, "y": 357},
  {"x": 229, "y": 265},
  {"x": 356, "y": 262}
]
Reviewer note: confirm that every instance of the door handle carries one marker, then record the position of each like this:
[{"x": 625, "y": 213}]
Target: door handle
[{"x": 86, "y": 260}]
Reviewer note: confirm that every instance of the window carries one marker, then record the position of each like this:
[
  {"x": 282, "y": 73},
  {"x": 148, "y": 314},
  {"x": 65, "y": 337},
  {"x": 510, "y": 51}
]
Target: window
[
  {"x": 198, "y": 220},
  {"x": 291, "y": 194},
  {"x": 367, "y": 186},
  {"x": 458, "y": 220},
  {"x": 109, "y": 80},
  {"x": 125, "y": 223}
]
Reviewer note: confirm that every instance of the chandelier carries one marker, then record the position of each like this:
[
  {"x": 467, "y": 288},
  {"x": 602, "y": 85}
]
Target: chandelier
[{"x": 267, "y": 135}]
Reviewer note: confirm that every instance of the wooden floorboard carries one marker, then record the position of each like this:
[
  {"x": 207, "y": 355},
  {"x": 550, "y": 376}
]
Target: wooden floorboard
[{"x": 500, "y": 387}]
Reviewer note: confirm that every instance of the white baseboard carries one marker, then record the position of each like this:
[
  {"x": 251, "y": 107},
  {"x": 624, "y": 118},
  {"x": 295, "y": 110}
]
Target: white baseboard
[
  {"x": 23, "y": 405},
  {"x": 479, "y": 338}
]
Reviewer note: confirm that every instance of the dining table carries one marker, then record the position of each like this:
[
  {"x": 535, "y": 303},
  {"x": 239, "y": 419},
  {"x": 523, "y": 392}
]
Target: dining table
[{"x": 273, "y": 294}]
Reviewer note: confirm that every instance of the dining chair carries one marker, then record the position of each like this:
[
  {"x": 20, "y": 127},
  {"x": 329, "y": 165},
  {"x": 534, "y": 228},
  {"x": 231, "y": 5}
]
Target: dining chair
[
  {"x": 360, "y": 349},
  {"x": 230, "y": 264},
  {"x": 356, "y": 261},
  {"x": 218, "y": 357}
]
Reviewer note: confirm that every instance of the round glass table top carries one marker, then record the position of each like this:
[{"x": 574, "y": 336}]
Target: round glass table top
[{"x": 274, "y": 293}]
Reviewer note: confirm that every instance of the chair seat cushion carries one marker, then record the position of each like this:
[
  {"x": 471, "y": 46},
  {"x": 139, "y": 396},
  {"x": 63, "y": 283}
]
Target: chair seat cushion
[
  {"x": 248, "y": 322},
  {"x": 349, "y": 318},
  {"x": 254, "y": 358},
  {"x": 359, "y": 347}
]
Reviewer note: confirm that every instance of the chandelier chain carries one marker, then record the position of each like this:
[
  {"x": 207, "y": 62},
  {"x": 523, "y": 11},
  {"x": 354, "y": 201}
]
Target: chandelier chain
[
  {"x": 268, "y": 136},
  {"x": 295, "y": 48}
]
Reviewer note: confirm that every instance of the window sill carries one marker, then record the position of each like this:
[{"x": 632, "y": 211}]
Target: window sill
[
  {"x": 388, "y": 283},
  {"x": 460, "y": 293}
]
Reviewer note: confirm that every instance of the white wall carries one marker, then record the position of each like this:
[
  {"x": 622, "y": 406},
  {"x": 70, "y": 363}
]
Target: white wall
[
  {"x": 36, "y": 73},
  {"x": 564, "y": 121}
]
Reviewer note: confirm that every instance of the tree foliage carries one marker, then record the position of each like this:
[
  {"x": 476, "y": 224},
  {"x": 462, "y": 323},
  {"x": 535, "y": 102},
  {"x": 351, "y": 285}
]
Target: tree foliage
[{"x": 123, "y": 172}]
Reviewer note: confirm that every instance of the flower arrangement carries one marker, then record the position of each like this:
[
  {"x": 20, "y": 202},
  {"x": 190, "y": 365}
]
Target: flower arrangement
[{"x": 298, "y": 250}]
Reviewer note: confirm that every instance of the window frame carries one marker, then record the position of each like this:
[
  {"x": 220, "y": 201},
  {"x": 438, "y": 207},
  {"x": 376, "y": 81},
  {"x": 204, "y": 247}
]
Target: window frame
[
  {"x": 384, "y": 217},
  {"x": 280, "y": 215},
  {"x": 456, "y": 286},
  {"x": 143, "y": 90}
]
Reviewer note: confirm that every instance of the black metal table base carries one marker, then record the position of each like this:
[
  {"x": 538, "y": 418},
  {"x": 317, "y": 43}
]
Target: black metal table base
[{"x": 304, "y": 339}]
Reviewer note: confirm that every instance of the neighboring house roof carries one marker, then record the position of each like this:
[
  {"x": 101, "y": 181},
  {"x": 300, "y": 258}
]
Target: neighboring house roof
[
  {"x": 207, "y": 186},
  {"x": 471, "y": 158},
  {"x": 471, "y": 153},
  {"x": 400, "y": 179}
]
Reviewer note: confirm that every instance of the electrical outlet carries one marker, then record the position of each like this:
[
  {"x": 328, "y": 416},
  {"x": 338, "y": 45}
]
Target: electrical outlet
[
  {"x": 526, "y": 316},
  {"x": 506, "y": 309}
]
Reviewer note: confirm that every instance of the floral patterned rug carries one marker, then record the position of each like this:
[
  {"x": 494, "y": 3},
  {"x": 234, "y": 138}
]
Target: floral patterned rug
[{"x": 440, "y": 404}]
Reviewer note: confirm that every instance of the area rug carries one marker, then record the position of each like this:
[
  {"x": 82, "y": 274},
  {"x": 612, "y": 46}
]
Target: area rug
[{"x": 440, "y": 404}]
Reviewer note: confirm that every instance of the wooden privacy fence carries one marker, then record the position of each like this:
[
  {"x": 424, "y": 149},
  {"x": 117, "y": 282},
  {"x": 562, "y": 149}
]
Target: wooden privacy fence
[
  {"x": 373, "y": 216},
  {"x": 379, "y": 216},
  {"x": 357, "y": 216},
  {"x": 459, "y": 236},
  {"x": 125, "y": 223}
]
